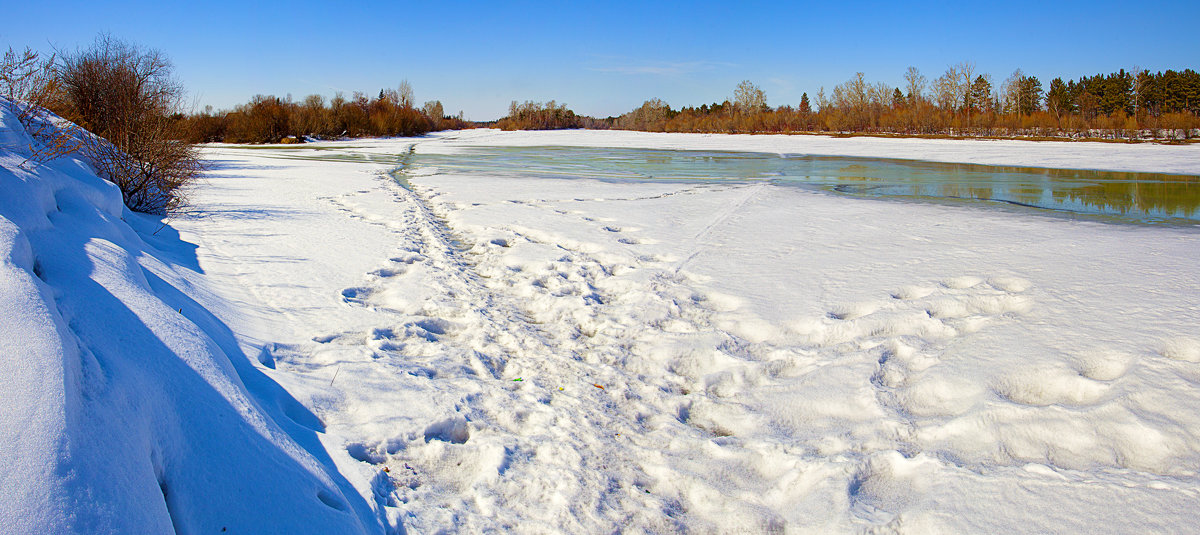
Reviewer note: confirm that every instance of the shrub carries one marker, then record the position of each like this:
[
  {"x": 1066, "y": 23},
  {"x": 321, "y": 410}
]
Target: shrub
[
  {"x": 537, "y": 116},
  {"x": 30, "y": 87},
  {"x": 125, "y": 96}
]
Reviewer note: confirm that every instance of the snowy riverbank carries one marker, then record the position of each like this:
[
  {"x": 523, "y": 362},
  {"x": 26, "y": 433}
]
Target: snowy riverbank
[{"x": 127, "y": 406}]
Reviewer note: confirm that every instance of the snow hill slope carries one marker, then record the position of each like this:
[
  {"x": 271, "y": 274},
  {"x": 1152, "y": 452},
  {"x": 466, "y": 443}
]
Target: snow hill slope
[{"x": 124, "y": 405}]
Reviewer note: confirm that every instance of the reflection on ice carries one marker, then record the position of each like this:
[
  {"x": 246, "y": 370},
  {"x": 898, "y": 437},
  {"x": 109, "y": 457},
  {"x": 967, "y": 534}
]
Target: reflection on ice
[{"x": 1147, "y": 198}]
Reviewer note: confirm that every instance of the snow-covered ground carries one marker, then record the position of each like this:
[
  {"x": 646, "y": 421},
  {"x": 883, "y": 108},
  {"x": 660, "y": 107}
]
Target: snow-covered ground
[{"x": 485, "y": 352}]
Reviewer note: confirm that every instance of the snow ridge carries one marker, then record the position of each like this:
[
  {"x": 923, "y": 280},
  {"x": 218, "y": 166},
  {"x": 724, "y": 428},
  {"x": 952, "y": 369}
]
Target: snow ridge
[{"x": 129, "y": 407}]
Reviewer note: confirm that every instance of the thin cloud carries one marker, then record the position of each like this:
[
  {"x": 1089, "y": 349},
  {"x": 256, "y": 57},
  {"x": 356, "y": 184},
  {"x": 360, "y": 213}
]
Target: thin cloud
[{"x": 782, "y": 83}]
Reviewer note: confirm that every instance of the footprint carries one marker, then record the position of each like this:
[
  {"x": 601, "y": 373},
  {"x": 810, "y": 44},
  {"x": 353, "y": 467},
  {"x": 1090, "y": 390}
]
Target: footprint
[
  {"x": 1184, "y": 349},
  {"x": 356, "y": 295},
  {"x": 330, "y": 500},
  {"x": 383, "y": 334},
  {"x": 407, "y": 259},
  {"x": 889, "y": 483},
  {"x": 1009, "y": 284},
  {"x": 962, "y": 283},
  {"x": 326, "y": 338},
  {"x": 1040, "y": 387},
  {"x": 453, "y": 430},
  {"x": 428, "y": 329},
  {"x": 907, "y": 293},
  {"x": 852, "y": 310},
  {"x": 941, "y": 397},
  {"x": 1103, "y": 365},
  {"x": 898, "y": 361},
  {"x": 366, "y": 453},
  {"x": 951, "y": 307},
  {"x": 387, "y": 272}
]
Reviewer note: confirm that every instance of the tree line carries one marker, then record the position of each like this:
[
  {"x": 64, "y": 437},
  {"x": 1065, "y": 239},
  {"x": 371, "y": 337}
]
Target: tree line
[
  {"x": 270, "y": 119},
  {"x": 531, "y": 115},
  {"x": 960, "y": 102}
]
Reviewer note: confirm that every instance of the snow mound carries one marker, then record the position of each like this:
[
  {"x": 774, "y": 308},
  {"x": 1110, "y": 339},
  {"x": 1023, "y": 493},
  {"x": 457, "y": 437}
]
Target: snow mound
[{"x": 128, "y": 407}]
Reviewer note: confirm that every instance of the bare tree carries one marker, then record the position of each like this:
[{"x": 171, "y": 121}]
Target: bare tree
[
  {"x": 1011, "y": 92},
  {"x": 946, "y": 89},
  {"x": 29, "y": 88},
  {"x": 1137, "y": 87},
  {"x": 649, "y": 116},
  {"x": 124, "y": 95},
  {"x": 855, "y": 97},
  {"x": 966, "y": 76},
  {"x": 915, "y": 82},
  {"x": 749, "y": 97},
  {"x": 433, "y": 110},
  {"x": 405, "y": 95}
]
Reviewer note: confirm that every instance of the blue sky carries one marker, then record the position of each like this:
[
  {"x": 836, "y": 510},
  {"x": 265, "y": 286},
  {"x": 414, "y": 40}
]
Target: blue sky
[{"x": 605, "y": 58}]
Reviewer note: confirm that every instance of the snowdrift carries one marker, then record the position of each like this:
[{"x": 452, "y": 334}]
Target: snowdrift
[{"x": 126, "y": 406}]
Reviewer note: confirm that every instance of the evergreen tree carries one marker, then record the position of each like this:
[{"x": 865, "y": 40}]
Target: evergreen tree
[
  {"x": 1030, "y": 89},
  {"x": 805, "y": 107},
  {"x": 1058, "y": 101},
  {"x": 1117, "y": 93},
  {"x": 981, "y": 91}
]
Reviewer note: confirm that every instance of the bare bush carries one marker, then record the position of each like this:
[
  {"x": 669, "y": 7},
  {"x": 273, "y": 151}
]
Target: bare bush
[
  {"x": 30, "y": 87},
  {"x": 433, "y": 110},
  {"x": 125, "y": 95},
  {"x": 537, "y": 116}
]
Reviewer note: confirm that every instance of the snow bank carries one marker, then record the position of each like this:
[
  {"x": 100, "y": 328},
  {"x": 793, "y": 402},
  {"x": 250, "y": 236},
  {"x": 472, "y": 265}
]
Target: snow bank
[{"x": 128, "y": 407}]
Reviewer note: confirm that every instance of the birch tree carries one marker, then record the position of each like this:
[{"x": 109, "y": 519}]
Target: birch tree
[
  {"x": 749, "y": 97},
  {"x": 915, "y": 82}
]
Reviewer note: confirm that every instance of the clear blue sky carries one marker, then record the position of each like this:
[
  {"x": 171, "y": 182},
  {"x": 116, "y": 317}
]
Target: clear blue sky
[{"x": 605, "y": 58}]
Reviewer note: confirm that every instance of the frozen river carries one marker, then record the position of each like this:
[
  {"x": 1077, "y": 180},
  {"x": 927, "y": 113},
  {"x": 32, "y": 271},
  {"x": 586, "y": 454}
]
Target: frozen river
[{"x": 1148, "y": 198}]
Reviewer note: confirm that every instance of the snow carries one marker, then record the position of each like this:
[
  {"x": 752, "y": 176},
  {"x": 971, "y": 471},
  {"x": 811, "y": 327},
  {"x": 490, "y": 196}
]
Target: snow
[
  {"x": 526, "y": 353},
  {"x": 127, "y": 406}
]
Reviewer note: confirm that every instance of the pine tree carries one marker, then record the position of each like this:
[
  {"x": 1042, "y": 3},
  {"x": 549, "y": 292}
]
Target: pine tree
[
  {"x": 1030, "y": 89},
  {"x": 981, "y": 91},
  {"x": 1058, "y": 100}
]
